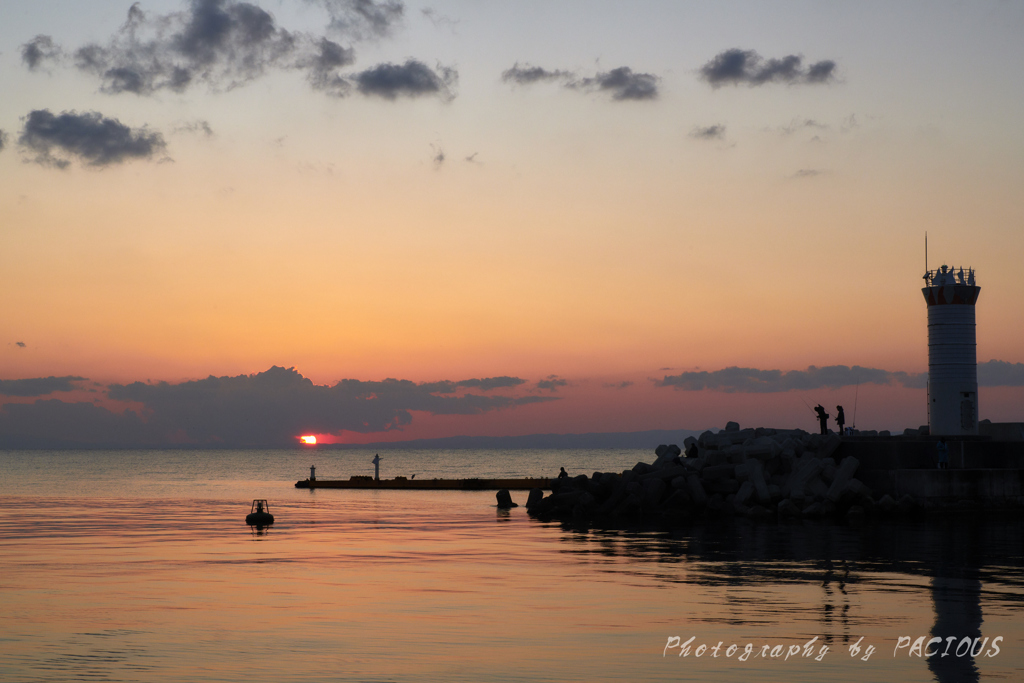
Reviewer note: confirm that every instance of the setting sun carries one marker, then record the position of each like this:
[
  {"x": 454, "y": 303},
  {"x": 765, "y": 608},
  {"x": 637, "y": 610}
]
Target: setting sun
[{"x": 308, "y": 439}]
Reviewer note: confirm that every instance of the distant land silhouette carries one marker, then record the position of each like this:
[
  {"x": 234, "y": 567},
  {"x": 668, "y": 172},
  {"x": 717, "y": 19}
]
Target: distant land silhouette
[{"x": 645, "y": 439}]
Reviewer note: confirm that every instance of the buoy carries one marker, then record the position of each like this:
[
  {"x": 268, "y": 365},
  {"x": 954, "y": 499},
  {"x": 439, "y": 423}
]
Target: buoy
[{"x": 260, "y": 515}]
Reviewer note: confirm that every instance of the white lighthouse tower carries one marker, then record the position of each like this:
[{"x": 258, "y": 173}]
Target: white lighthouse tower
[{"x": 952, "y": 351}]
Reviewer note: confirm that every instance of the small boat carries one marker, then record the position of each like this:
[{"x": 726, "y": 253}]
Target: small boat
[{"x": 260, "y": 515}]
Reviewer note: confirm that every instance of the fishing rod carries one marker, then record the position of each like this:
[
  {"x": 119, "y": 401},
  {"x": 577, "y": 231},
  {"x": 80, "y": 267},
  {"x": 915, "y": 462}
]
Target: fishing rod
[{"x": 856, "y": 392}]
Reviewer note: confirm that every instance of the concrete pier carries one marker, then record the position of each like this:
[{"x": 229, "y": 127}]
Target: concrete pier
[{"x": 401, "y": 483}]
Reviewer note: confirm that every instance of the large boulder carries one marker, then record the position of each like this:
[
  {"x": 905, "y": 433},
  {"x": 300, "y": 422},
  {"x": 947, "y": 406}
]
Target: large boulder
[
  {"x": 816, "y": 489},
  {"x": 753, "y": 471},
  {"x": 696, "y": 489},
  {"x": 717, "y": 472},
  {"x": 652, "y": 489},
  {"x": 669, "y": 473},
  {"x": 762, "y": 448},
  {"x": 847, "y": 468},
  {"x": 788, "y": 508},
  {"x": 505, "y": 500},
  {"x": 723, "y": 486},
  {"x": 678, "y": 500},
  {"x": 534, "y": 498},
  {"x": 744, "y": 494},
  {"x": 585, "y": 507},
  {"x": 886, "y": 503},
  {"x": 668, "y": 458},
  {"x": 642, "y": 468},
  {"x": 629, "y": 508},
  {"x": 828, "y": 470},
  {"x": 829, "y": 444},
  {"x": 805, "y": 469}
]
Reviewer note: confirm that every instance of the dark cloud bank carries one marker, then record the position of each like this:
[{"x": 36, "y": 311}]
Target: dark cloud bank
[
  {"x": 746, "y": 67},
  {"x": 621, "y": 83},
  {"x": 266, "y": 409},
  {"x": 272, "y": 408},
  {"x": 39, "y": 386},
  {"x": 751, "y": 380},
  {"x": 224, "y": 44},
  {"x": 54, "y": 139}
]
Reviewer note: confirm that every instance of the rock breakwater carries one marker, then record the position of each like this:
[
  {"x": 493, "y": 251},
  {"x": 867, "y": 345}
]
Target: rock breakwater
[{"x": 766, "y": 473}]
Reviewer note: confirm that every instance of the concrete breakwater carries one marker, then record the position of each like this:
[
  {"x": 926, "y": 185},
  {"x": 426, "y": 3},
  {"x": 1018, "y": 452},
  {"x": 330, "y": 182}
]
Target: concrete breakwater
[
  {"x": 786, "y": 474},
  {"x": 405, "y": 484}
]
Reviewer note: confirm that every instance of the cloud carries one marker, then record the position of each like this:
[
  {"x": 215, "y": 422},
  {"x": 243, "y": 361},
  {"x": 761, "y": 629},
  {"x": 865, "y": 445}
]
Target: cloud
[
  {"x": 998, "y": 373},
  {"x": 3, "y": 140},
  {"x": 438, "y": 155},
  {"x": 527, "y": 74},
  {"x": 801, "y": 124},
  {"x": 715, "y": 132},
  {"x": 621, "y": 83},
  {"x": 735, "y": 67},
  {"x": 412, "y": 79},
  {"x": 484, "y": 384},
  {"x": 362, "y": 19},
  {"x": 40, "y": 386},
  {"x": 221, "y": 43},
  {"x": 20, "y": 345},
  {"x": 53, "y": 423},
  {"x": 224, "y": 44},
  {"x": 552, "y": 383},
  {"x": 40, "y": 50},
  {"x": 617, "y": 385},
  {"x": 276, "y": 405},
  {"x": 199, "y": 127},
  {"x": 265, "y": 409},
  {"x": 324, "y": 65},
  {"x": 438, "y": 19},
  {"x": 751, "y": 380},
  {"x": 807, "y": 173},
  {"x": 92, "y": 138},
  {"x": 489, "y": 383},
  {"x": 472, "y": 158}
]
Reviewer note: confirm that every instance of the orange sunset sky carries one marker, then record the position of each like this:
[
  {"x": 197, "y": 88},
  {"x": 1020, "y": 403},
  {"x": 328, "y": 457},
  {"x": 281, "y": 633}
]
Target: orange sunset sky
[{"x": 586, "y": 198}]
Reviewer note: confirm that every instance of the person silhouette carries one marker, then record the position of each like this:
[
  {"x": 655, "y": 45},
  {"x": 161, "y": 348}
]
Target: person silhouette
[
  {"x": 563, "y": 474},
  {"x": 840, "y": 419},
  {"x": 942, "y": 451},
  {"x": 822, "y": 418}
]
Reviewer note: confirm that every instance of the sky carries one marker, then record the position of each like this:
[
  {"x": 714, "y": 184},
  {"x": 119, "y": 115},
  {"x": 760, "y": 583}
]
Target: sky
[{"x": 239, "y": 222}]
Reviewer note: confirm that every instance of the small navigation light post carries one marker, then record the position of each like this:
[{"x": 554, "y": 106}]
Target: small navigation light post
[
  {"x": 312, "y": 472},
  {"x": 376, "y": 467}
]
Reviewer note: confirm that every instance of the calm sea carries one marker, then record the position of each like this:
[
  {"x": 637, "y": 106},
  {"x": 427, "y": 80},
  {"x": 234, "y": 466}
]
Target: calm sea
[{"x": 138, "y": 566}]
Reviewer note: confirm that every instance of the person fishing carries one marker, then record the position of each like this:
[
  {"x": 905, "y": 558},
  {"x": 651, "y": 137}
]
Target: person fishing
[
  {"x": 822, "y": 418},
  {"x": 840, "y": 420}
]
